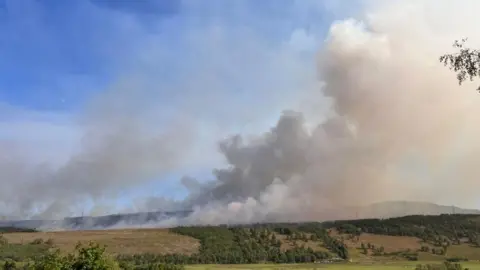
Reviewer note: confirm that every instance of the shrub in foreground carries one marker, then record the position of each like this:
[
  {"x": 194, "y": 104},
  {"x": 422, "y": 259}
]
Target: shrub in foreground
[
  {"x": 89, "y": 257},
  {"x": 9, "y": 265}
]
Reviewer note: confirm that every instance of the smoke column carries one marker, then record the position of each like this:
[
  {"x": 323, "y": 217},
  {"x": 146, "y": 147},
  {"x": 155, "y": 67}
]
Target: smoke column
[{"x": 400, "y": 127}]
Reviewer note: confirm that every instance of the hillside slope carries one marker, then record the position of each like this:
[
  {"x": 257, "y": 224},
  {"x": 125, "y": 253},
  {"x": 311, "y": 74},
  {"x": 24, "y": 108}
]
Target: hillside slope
[
  {"x": 133, "y": 220},
  {"x": 417, "y": 237}
]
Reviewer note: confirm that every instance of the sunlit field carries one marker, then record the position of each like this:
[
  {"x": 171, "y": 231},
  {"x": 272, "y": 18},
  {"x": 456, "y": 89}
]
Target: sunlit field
[{"x": 387, "y": 266}]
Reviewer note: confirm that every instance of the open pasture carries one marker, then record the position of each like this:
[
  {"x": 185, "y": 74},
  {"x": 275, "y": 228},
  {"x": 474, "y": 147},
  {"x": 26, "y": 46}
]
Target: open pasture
[
  {"x": 121, "y": 241},
  {"x": 378, "y": 266}
]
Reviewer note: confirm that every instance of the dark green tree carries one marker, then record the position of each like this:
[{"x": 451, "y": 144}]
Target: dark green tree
[{"x": 465, "y": 62}]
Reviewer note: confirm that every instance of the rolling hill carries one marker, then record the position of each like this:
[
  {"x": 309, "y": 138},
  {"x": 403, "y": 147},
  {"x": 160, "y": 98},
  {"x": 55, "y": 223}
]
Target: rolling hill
[{"x": 135, "y": 220}]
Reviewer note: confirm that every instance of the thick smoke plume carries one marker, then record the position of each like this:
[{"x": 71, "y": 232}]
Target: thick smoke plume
[{"x": 399, "y": 127}]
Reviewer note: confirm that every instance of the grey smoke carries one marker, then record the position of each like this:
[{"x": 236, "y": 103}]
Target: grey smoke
[
  {"x": 393, "y": 103},
  {"x": 114, "y": 152}
]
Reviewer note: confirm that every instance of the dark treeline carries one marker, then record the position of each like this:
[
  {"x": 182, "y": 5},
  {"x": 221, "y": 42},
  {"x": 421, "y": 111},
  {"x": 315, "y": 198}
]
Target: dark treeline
[
  {"x": 437, "y": 230},
  {"x": 8, "y": 229}
]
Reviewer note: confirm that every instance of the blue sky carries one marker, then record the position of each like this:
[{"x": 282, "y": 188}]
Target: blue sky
[{"x": 227, "y": 66}]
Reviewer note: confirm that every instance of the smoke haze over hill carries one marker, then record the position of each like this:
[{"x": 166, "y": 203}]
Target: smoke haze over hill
[
  {"x": 155, "y": 219},
  {"x": 397, "y": 127}
]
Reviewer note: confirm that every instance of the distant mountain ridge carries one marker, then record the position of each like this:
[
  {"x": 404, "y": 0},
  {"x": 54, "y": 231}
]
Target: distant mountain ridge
[
  {"x": 378, "y": 210},
  {"x": 407, "y": 208}
]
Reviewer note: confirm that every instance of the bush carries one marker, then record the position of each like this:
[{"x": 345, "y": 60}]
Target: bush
[
  {"x": 456, "y": 259},
  {"x": 51, "y": 261},
  {"x": 91, "y": 257},
  {"x": 9, "y": 265}
]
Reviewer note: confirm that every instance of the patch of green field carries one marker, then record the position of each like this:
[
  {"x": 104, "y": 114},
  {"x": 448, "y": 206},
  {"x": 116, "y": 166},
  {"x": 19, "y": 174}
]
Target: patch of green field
[
  {"x": 464, "y": 251},
  {"x": 386, "y": 266},
  {"x": 18, "y": 252},
  {"x": 428, "y": 256}
]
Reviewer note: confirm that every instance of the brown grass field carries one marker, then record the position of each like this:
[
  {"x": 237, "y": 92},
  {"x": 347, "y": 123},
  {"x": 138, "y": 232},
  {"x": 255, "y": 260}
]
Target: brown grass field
[
  {"x": 288, "y": 244},
  {"x": 402, "y": 243},
  {"x": 377, "y": 266},
  {"x": 390, "y": 243},
  {"x": 126, "y": 241}
]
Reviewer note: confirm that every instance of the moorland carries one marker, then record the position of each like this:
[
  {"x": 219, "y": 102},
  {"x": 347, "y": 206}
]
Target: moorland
[{"x": 401, "y": 242}]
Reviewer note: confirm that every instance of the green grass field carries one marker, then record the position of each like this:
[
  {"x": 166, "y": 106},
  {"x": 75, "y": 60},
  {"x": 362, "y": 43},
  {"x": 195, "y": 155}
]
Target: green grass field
[{"x": 387, "y": 266}]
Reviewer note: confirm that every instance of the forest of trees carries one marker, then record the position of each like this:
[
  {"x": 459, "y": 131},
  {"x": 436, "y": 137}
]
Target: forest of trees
[
  {"x": 236, "y": 245},
  {"x": 259, "y": 243},
  {"x": 450, "y": 229}
]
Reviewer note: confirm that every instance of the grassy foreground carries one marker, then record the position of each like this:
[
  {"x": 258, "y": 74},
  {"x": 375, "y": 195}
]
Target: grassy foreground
[
  {"x": 120, "y": 241},
  {"x": 386, "y": 266}
]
